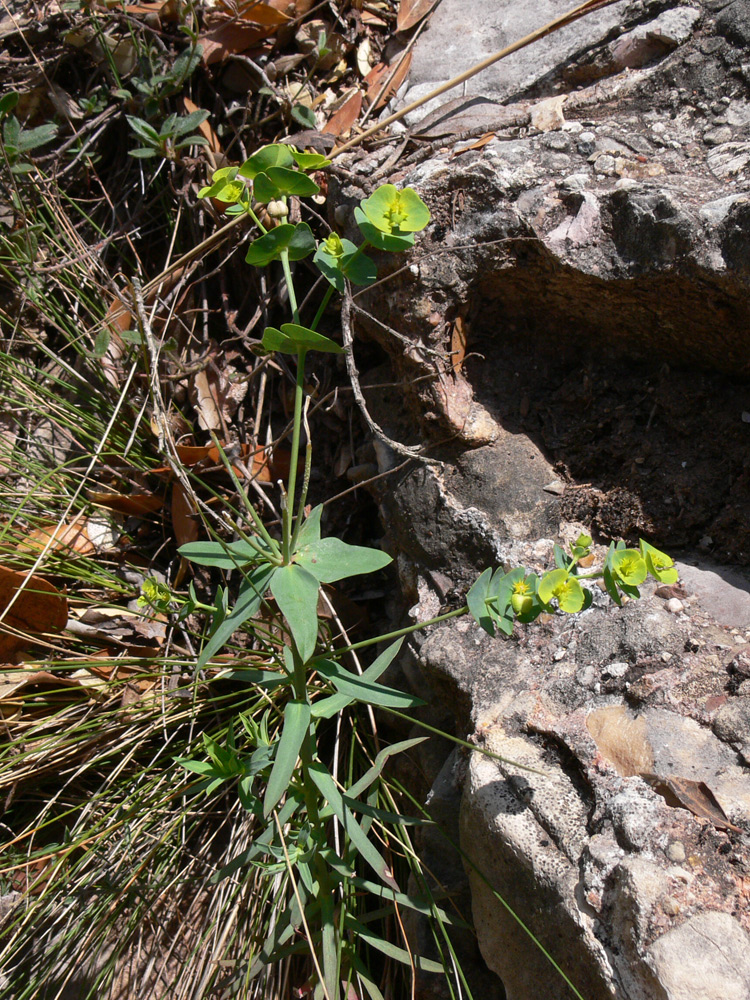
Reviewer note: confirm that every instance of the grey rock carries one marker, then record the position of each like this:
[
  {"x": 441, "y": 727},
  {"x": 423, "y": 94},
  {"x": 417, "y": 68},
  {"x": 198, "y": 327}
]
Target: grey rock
[
  {"x": 734, "y": 23},
  {"x": 708, "y": 956},
  {"x": 717, "y": 136},
  {"x": 721, "y": 591}
]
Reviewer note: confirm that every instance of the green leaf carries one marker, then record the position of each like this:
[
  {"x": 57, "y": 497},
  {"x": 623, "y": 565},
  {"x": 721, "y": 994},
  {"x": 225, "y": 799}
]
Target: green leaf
[
  {"x": 298, "y": 240},
  {"x": 305, "y": 116},
  {"x": 223, "y": 555},
  {"x": 292, "y": 182},
  {"x": 11, "y": 132},
  {"x": 309, "y": 161},
  {"x": 142, "y": 129},
  {"x": 359, "y": 269},
  {"x": 291, "y": 339},
  {"x": 296, "y": 726},
  {"x": 192, "y": 140},
  {"x": 330, "y": 559},
  {"x": 189, "y": 122},
  {"x": 326, "y": 708},
  {"x": 477, "y": 601},
  {"x": 249, "y": 599},
  {"x": 275, "y": 155},
  {"x": 296, "y": 593},
  {"x": 33, "y": 137},
  {"x": 396, "y": 212},
  {"x": 561, "y": 558},
  {"x": 379, "y": 763},
  {"x": 327, "y": 788},
  {"x": 392, "y": 242},
  {"x": 264, "y": 189},
  {"x": 365, "y": 933},
  {"x": 310, "y": 530},
  {"x": 330, "y": 267},
  {"x": 356, "y": 688},
  {"x": 10, "y": 100},
  {"x": 144, "y": 154},
  {"x": 659, "y": 564}
]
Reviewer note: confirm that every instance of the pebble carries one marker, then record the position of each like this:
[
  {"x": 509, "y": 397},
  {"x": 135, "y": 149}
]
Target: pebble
[
  {"x": 676, "y": 851},
  {"x": 674, "y": 606},
  {"x": 717, "y": 136}
]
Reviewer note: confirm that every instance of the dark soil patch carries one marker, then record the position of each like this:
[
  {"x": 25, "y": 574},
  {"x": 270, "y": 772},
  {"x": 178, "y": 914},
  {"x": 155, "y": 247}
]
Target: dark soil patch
[{"x": 644, "y": 448}]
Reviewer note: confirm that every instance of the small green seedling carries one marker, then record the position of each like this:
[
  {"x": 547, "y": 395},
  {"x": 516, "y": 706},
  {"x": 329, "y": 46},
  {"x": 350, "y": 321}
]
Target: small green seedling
[
  {"x": 18, "y": 141},
  {"x": 175, "y": 134}
]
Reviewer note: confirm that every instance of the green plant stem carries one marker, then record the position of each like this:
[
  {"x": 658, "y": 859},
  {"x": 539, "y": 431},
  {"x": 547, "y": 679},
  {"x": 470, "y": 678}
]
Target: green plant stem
[
  {"x": 322, "y": 307},
  {"x": 299, "y": 395},
  {"x": 284, "y": 257},
  {"x": 335, "y": 653}
]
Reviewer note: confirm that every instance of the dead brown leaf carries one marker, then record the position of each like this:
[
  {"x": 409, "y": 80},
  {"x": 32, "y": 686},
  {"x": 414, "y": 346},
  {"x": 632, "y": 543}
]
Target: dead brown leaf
[
  {"x": 38, "y": 608},
  {"x": 411, "y": 12},
  {"x": 340, "y": 123},
  {"x": 185, "y": 520},
  {"x": 135, "y": 505},
  {"x": 82, "y": 535},
  {"x": 458, "y": 343},
  {"x": 19, "y": 687},
  {"x": 255, "y": 11},
  {"x": 376, "y": 77},
  {"x": 695, "y": 796},
  {"x": 214, "y": 143},
  {"x": 480, "y": 142},
  {"x": 230, "y": 36}
]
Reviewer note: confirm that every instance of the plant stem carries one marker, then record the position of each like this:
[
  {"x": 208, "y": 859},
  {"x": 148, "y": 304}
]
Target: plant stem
[
  {"x": 322, "y": 307},
  {"x": 299, "y": 395},
  {"x": 335, "y": 653},
  {"x": 284, "y": 257}
]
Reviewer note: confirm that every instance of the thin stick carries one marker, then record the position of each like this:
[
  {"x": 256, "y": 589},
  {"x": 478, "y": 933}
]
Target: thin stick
[{"x": 559, "y": 22}]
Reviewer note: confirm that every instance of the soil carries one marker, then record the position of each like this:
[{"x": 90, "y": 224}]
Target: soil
[{"x": 643, "y": 448}]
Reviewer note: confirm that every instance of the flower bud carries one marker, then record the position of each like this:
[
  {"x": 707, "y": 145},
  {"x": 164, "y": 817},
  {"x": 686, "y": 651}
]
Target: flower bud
[{"x": 277, "y": 209}]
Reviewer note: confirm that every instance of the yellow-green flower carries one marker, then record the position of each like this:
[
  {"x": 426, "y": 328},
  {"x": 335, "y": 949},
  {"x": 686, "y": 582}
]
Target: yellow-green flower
[
  {"x": 564, "y": 588},
  {"x": 394, "y": 211},
  {"x": 522, "y": 598},
  {"x": 629, "y": 567},
  {"x": 659, "y": 564}
]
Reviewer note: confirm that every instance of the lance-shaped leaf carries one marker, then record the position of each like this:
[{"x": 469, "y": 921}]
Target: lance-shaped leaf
[
  {"x": 330, "y": 559},
  {"x": 222, "y": 555},
  {"x": 249, "y": 600},
  {"x": 367, "y": 850},
  {"x": 297, "y": 240},
  {"x": 296, "y": 725},
  {"x": 326, "y": 708},
  {"x": 365, "y": 933},
  {"x": 293, "y": 338},
  {"x": 358, "y": 688},
  {"x": 296, "y": 593}
]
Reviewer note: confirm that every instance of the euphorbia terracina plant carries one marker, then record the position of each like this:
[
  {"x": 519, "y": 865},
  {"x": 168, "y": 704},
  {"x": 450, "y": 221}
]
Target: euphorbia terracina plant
[{"x": 329, "y": 833}]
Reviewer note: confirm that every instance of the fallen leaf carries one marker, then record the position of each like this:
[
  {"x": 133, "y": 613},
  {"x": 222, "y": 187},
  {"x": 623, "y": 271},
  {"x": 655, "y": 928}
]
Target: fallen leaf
[
  {"x": 379, "y": 74},
  {"x": 19, "y": 688},
  {"x": 479, "y": 144},
  {"x": 135, "y": 505},
  {"x": 695, "y": 796},
  {"x": 185, "y": 520},
  {"x": 229, "y": 38},
  {"x": 257, "y": 11},
  {"x": 84, "y": 536},
  {"x": 216, "y": 397},
  {"x": 411, "y": 12},
  {"x": 458, "y": 343},
  {"x": 38, "y": 608},
  {"x": 214, "y": 143},
  {"x": 340, "y": 123}
]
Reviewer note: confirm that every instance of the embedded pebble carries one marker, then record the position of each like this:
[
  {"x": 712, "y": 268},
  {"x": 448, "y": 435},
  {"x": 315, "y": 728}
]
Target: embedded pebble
[
  {"x": 674, "y": 606},
  {"x": 676, "y": 851}
]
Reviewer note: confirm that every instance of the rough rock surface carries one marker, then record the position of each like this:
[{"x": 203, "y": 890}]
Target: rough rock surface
[{"x": 573, "y": 339}]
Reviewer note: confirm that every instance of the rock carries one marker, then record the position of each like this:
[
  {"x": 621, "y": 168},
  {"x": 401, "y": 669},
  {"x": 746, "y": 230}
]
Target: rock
[
  {"x": 734, "y": 23},
  {"x": 598, "y": 273},
  {"x": 710, "y": 953}
]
